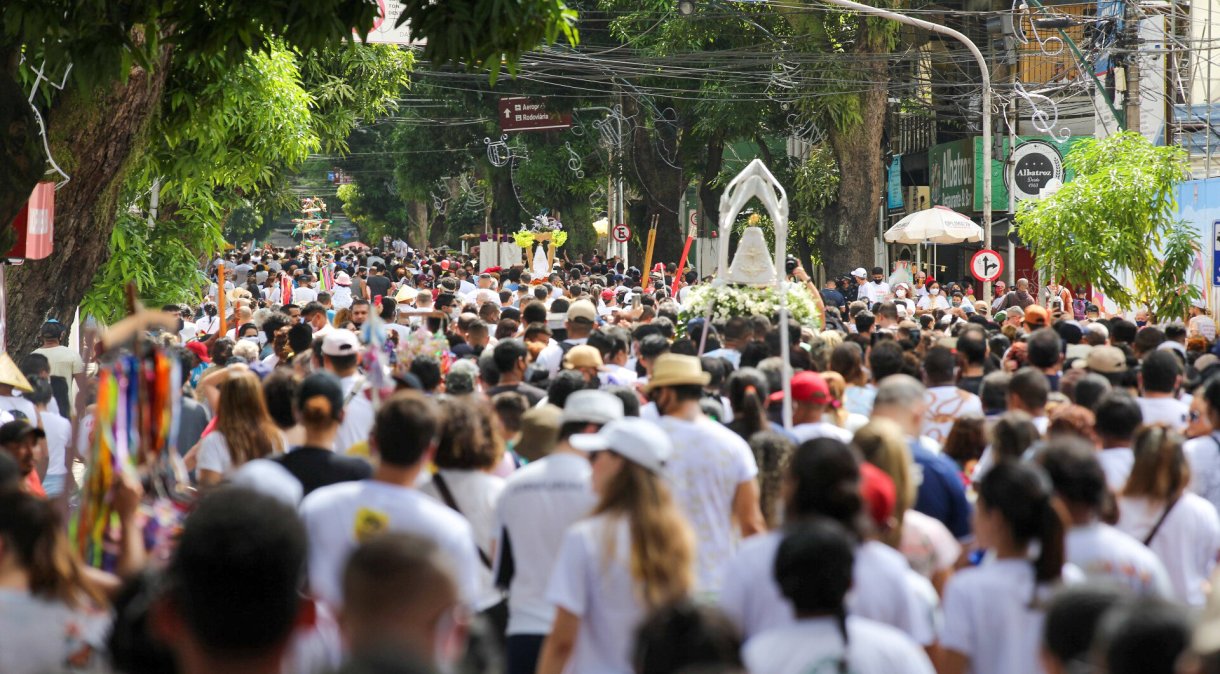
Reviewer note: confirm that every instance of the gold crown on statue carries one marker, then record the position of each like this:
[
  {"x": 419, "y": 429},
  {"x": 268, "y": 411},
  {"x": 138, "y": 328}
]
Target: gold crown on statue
[{"x": 754, "y": 220}]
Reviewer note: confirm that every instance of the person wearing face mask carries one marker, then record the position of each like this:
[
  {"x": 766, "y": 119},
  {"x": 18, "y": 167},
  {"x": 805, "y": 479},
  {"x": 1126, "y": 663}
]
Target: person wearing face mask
[
  {"x": 958, "y": 301},
  {"x": 876, "y": 290},
  {"x": 933, "y": 300},
  {"x": 921, "y": 285},
  {"x": 1001, "y": 291},
  {"x": 902, "y": 295}
]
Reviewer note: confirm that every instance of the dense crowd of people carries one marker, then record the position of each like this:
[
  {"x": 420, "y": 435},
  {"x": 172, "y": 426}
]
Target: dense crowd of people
[{"x": 405, "y": 463}]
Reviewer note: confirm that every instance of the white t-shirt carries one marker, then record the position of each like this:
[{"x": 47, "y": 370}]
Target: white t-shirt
[
  {"x": 881, "y": 590},
  {"x": 929, "y": 303},
  {"x": 600, "y": 590},
  {"x": 1203, "y": 454},
  {"x": 551, "y": 356},
  {"x": 708, "y": 463},
  {"x": 26, "y": 408},
  {"x": 537, "y": 505},
  {"x": 357, "y": 415},
  {"x": 341, "y": 297},
  {"x": 339, "y": 516},
  {"x": 59, "y": 434},
  {"x": 822, "y": 429},
  {"x": 1187, "y": 542},
  {"x": 947, "y": 404},
  {"x": 1116, "y": 462},
  {"x": 1205, "y": 326},
  {"x": 214, "y": 454},
  {"x": 816, "y": 645},
  {"x": 475, "y": 493},
  {"x": 991, "y": 617},
  {"x": 927, "y": 544},
  {"x": 1105, "y": 553},
  {"x": 875, "y": 292},
  {"x": 39, "y": 635},
  {"x": 303, "y": 295},
  {"x": 208, "y": 325},
  {"x": 1169, "y": 411}
]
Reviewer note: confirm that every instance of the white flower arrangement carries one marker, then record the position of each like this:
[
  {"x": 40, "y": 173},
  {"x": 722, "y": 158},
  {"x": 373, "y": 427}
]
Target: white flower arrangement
[{"x": 736, "y": 300}]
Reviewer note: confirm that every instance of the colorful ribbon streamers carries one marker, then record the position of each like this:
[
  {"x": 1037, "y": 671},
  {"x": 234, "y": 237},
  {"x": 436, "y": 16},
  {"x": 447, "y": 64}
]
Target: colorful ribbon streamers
[{"x": 135, "y": 431}]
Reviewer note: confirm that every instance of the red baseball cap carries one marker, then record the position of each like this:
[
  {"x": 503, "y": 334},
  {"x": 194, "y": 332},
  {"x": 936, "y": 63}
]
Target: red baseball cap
[
  {"x": 199, "y": 349},
  {"x": 808, "y": 387},
  {"x": 607, "y": 294},
  {"x": 879, "y": 494}
]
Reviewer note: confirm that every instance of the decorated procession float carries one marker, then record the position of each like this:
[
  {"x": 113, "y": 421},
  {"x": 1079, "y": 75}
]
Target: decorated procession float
[
  {"x": 544, "y": 234},
  {"x": 313, "y": 225},
  {"x": 751, "y": 285}
]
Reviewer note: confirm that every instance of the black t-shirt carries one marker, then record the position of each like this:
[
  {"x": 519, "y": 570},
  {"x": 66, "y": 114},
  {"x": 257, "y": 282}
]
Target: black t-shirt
[
  {"x": 316, "y": 467},
  {"x": 379, "y": 285},
  {"x": 532, "y": 393},
  {"x": 971, "y": 384}
]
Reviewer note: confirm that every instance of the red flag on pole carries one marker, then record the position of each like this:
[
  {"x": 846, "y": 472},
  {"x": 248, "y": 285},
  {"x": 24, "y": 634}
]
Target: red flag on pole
[{"x": 690, "y": 238}]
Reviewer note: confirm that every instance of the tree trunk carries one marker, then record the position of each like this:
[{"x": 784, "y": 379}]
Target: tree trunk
[
  {"x": 709, "y": 192},
  {"x": 849, "y": 225},
  {"x": 94, "y": 137},
  {"x": 418, "y": 225},
  {"x": 661, "y": 186},
  {"x": 19, "y": 145}
]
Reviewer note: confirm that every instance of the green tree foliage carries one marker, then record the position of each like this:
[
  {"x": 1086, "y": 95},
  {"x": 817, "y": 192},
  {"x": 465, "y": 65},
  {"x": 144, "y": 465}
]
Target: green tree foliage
[
  {"x": 224, "y": 144},
  {"x": 119, "y": 52},
  {"x": 425, "y": 174},
  {"x": 1113, "y": 226}
]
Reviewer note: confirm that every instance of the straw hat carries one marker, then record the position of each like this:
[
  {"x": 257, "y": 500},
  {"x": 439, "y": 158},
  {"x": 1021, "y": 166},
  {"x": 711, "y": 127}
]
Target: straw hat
[
  {"x": 672, "y": 369},
  {"x": 10, "y": 374}
]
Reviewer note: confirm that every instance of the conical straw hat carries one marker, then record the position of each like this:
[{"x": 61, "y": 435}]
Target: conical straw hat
[{"x": 11, "y": 375}]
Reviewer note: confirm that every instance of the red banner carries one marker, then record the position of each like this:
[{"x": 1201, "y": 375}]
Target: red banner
[{"x": 35, "y": 225}]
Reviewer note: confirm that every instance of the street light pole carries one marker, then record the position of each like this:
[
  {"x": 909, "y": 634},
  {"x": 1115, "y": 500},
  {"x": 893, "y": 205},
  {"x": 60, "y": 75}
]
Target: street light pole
[{"x": 978, "y": 56}]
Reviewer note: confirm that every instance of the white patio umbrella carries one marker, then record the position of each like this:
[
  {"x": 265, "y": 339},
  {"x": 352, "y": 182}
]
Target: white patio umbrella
[
  {"x": 934, "y": 225},
  {"x": 938, "y": 224}
]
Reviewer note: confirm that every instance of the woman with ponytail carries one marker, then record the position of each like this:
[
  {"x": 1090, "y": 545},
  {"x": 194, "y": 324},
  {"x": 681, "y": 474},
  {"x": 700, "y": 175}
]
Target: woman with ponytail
[
  {"x": 747, "y": 393},
  {"x": 318, "y": 406},
  {"x": 822, "y": 481},
  {"x": 993, "y": 612},
  {"x": 838, "y": 415},
  {"x": 1157, "y": 508},
  {"x": 634, "y": 554},
  {"x": 813, "y": 568}
]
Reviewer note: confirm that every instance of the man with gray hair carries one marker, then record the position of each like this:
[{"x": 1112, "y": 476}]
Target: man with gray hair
[{"x": 900, "y": 398}]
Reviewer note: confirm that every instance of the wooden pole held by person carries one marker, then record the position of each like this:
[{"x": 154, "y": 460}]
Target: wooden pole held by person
[
  {"x": 221, "y": 298},
  {"x": 652, "y": 242}
]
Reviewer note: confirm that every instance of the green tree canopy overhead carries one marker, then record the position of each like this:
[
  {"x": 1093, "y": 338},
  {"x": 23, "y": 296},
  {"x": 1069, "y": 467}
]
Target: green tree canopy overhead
[
  {"x": 114, "y": 57},
  {"x": 1116, "y": 221}
]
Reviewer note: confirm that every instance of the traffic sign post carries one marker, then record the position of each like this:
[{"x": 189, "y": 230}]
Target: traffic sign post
[
  {"x": 518, "y": 113},
  {"x": 621, "y": 233},
  {"x": 986, "y": 265}
]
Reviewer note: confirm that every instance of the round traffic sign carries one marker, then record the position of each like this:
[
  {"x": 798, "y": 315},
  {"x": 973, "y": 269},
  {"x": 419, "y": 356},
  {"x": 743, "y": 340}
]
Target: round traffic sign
[
  {"x": 621, "y": 233},
  {"x": 986, "y": 265}
]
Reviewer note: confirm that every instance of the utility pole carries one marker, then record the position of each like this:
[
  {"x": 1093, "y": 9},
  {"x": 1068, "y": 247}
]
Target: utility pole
[{"x": 1131, "y": 28}]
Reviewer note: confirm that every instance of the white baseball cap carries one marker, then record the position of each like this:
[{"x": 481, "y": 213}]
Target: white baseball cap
[
  {"x": 592, "y": 407},
  {"x": 632, "y": 438},
  {"x": 340, "y": 343},
  {"x": 859, "y": 272}
]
